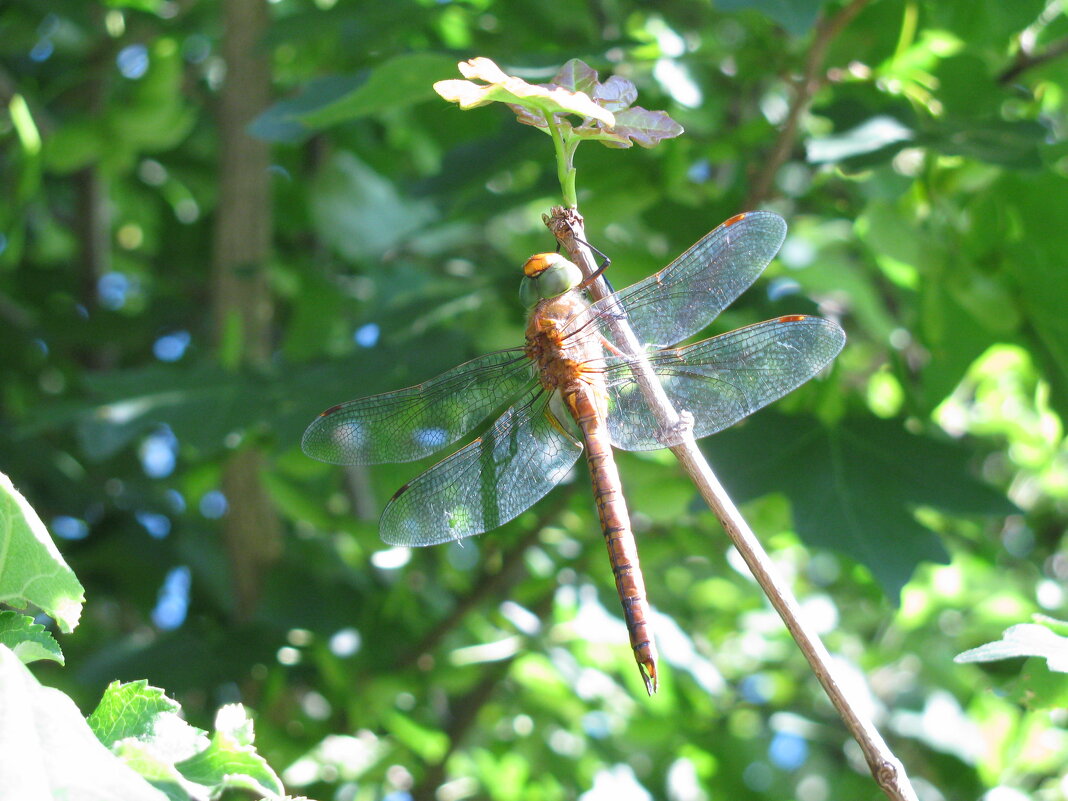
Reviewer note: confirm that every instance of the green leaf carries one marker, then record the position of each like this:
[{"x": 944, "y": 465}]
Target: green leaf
[
  {"x": 282, "y": 122},
  {"x": 30, "y": 641},
  {"x": 402, "y": 81},
  {"x": 202, "y": 404},
  {"x": 853, "y": 488},
  {"x": 796, "y": 16},
  {"x": 1043, "y": 679},
  {"x": 32, "y": 570},
  {"x": 1007, "y": 143},
  {"x": 877, "y": 139},
  {"x": 129, "y": 710},
  {"x": 1023, "y": 640},
  {"x": 231, "y": 761},
  {"x": 429, "y": 744},
  {"x": 1041, "y": 687},
  {"x": 142, "y": 725},
  {"x": 499, "y": 87},
  {"x": 49, "y": 750},
  {"x": 1034, "y": 258},
  {"x": 361, "y": 214}
]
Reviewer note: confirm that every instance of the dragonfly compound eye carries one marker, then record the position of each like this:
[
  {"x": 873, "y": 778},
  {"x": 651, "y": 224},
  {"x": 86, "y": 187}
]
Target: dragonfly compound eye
[
  {"x": 558, "y": 278},
  {"x": 547, "y": 275}
]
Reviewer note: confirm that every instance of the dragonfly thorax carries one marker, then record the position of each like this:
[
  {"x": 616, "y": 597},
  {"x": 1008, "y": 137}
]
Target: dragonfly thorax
[{"x": 562, "y": 358}]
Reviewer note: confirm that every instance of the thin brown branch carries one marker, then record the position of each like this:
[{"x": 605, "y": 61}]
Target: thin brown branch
[
  {"x": 1029, "y": 60},
  {"x": 887, "y": 770},
  {"x": 805, "y": 88}
]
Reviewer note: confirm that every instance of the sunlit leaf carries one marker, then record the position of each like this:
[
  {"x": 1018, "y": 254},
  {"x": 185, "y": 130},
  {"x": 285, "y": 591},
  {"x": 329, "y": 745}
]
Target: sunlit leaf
[
  {"x": 141, "y": 724},
  {"x": 507, "y": 89},
  {"x": 50, "y": 751},
  {"x": 1023, "y": 640},
  {"x": 130, "y": 710},
  {"x": 29, "y": 641},
  {"x": 231, "y": 761},
  {"x": 32, "y": 571}
]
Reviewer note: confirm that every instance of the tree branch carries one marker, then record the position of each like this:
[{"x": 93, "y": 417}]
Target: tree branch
[
  {"x": 567, "y": 226},
  {"x": 805, "y": 89},
  {"x": 1026, "y": 60}
]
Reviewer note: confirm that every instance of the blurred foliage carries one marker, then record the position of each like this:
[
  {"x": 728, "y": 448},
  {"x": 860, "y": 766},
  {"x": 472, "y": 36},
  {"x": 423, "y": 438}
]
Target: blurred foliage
[{"x": 916, "y": 497}]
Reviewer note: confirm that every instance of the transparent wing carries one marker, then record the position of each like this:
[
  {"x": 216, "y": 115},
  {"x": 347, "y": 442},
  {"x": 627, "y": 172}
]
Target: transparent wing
[
  {"x": 688, "y": 294},
  {"x": 487, "y": 483},
  {"x": 722, "y": 379},
  {"x": 414, "y": 422}
]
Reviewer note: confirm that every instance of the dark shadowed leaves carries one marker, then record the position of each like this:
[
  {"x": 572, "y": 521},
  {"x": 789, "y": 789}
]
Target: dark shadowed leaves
[{"x": 854, "y": 488}]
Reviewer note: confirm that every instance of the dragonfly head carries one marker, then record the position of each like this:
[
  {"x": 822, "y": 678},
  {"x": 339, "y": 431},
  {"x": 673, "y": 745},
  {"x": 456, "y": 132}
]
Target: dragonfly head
[{"x": 547, "y": 275}]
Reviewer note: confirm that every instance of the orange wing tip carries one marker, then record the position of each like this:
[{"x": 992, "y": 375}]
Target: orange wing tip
[
  {"x": 648, "y": 671},
  {"x": 737, "y": 218},
  {"x": 792, "y": 318}
]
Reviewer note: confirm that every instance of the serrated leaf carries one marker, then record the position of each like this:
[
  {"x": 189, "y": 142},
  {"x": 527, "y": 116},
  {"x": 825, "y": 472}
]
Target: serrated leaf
[
  {"x": 231, "y": 761},
  {"x": 48, "y": 749},
  {"x": 129, "y": 710},
  {"x": 32, "y": 570},
  {"x": 30, "y": 641},
  {"x": 1023, "y": 640},
  {"x": 853, "y": 488},
  {"x": 141, "y": 724}
]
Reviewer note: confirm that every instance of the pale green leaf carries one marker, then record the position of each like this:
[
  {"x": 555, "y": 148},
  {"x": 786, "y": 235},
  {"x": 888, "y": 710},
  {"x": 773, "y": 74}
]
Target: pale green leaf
[
  {"x": 508, "y": 89},
  {"x": 48, "y": 749},
  {"x": 1023, "y": 640},
  {"x": 32, "y": 570},
  {"x": 30, "y": 641}
]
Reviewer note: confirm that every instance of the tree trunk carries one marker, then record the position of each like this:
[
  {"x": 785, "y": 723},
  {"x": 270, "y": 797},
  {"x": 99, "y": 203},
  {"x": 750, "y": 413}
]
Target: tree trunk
[{"x": 243, "y": 306}]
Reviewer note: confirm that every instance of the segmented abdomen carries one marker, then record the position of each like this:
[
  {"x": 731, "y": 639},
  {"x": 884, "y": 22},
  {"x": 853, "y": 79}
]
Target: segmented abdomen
[{"x": 615, "y": 524}]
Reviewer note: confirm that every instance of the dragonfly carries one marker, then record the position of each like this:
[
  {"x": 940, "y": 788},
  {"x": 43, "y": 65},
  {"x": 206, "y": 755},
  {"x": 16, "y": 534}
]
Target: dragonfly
[{"x": 580, "y": 383}]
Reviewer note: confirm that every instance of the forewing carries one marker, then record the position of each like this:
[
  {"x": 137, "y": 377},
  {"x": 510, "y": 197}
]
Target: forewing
[
  {"x": 722, "y": 379},
  {"x": 688, "y": 294},
  {"x": 487, "y": 483},
  {"x": 411, "y": 423}
]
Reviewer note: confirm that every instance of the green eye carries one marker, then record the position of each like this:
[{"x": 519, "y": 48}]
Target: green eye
[
  {"x": 558, "y": 278},
  {"x": 528, "y": 292}
]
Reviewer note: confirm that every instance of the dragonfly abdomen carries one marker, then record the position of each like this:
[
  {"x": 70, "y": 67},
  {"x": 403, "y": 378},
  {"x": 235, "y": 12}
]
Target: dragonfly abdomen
[{"x": 615, "y": 524}]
